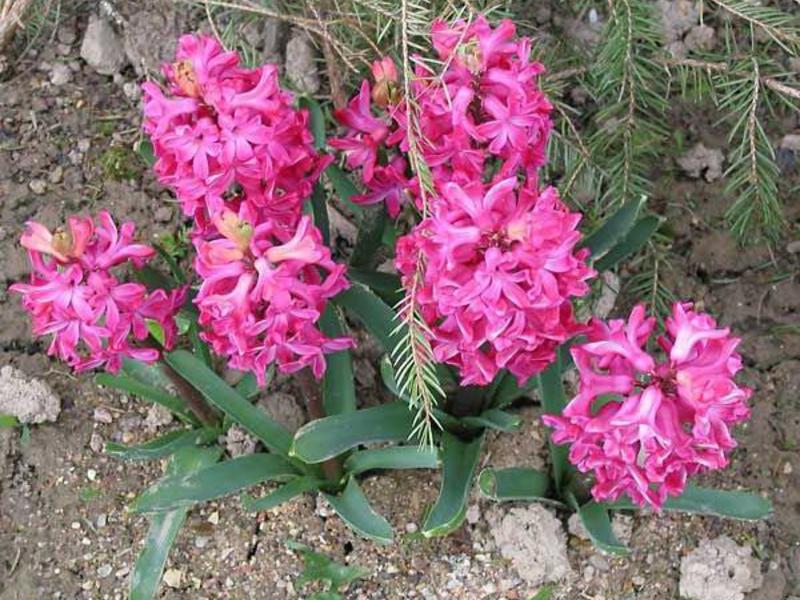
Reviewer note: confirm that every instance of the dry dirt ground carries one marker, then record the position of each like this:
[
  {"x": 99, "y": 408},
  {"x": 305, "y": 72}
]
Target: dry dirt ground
[{"x": 64, "y": 528}]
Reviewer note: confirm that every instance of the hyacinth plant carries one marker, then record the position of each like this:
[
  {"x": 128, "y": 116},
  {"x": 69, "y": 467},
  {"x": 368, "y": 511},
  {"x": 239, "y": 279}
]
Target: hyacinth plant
[{"x": 490, "y": 263}]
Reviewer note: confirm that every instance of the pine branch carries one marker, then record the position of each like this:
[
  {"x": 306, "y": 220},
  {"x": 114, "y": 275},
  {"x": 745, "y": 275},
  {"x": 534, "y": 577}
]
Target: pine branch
[{"x": 781, "y": 27}]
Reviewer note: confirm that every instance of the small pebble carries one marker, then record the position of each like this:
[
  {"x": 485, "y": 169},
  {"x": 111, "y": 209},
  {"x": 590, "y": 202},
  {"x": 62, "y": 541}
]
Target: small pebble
[
  {"x": 60, "y": 74},
  {"x": 163, "y": 214},
  {"x": 787, "y": 468},
  {"x": 793, "y": 247},
  {"x": 101, "y": 520},
  {"x": 38, "y": 186},
  {"x": 56, "y": 175},
  {"x": 102, "y": 415},
  {"x": 173, "y": 578},
  {"x": 104, "y": 571},
  {"x": 411, "y": 527},
  {"x": 213, "y": 518}
]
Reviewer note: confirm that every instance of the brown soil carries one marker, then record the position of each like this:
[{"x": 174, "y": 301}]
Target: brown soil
[{"x": 63, "y": 516}]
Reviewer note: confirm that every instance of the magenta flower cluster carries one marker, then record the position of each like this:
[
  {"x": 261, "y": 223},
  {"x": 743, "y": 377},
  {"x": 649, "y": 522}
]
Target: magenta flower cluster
[
  {"x": 485, "y": 111},
  {"x": 76, "y": 296},
  {"x": 241, "y": 160},
  {"x": 494, "y": 267},
  {"x": 500, "y": 267},
  {"x": 642, "y": 423}
]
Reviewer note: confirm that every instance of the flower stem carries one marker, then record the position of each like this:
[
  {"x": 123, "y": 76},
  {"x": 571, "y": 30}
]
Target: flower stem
[
  {"x": 193, "y": 398},
  {"x": 309, "y": 386}
]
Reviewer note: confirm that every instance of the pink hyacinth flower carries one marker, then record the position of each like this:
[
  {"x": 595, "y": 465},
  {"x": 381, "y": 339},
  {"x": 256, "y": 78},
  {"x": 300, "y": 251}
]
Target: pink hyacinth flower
[
  {"x": 92, "y": 317},
  {"x": 642, "y": 424}
]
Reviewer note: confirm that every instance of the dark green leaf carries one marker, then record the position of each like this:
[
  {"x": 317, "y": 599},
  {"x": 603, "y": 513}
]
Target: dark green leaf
[
  {"x": 174, "y": 267},
  {"x": 316, "y": 120},
  {"x": 162, "y": 446},
  {"x": 597, "y": 523},
  {"x": 508, "y": 390},
  {"x": 152, "y": 393},
  {"x": 8, "y": 421},
  {"x": 229, "y": 401},
  {"x": 394, "y": 457},
  {"x": 355, "y": 510},
  {"x": 198, "y": 345},
  {"x": 459, "y": 462},
  {"x": 322, "y": 439},
  {"x": 284, "y": 493},
  {"x": 319, "y": 567},
  {"x": 344, "y": 187},
  {"x": 164, "y": 526},
  {"x": 386, "y": 285},
  {"x": 153, "y": 279},
  {"x": 554, "y": 401},
  {"x": 319, "y": 209},
  {"x": 731, "y": 504},
  {"x": 632, "y": 243},
  {"x": 513, "y": 483},
  {"x": 494, "y": 418},
  {"x": 374, "y": 313},
  {"x": 338, "y": 388},
  {"x": 214, "y": 482},
  {"x": 145, "y": 151},
  {"x": 370, "y": 233},
  {"x": 614, "y": 229}
]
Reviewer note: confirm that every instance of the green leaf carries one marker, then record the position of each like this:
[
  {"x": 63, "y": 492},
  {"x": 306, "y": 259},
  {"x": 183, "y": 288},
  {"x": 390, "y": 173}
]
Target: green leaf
[
  {"x": 459, "y": 462},
  {"x": 174, "y": 267},
  {"x": 355, "y": 510},
  {"x": 164, "y": 526},
  {"x": 614, "y": 229},
  {"x": 338, "y": 388},
  {"x": 154, "y": 394},
  {"x": 319, "y": 210},
  {"x": 229, "y": 401},
  {"x": 370, "y": 234},
  {"x": 7, "y": 421},
  {"x": 597, "y": 523},
  {"x": 374, "y": 313},
  {"x": 731, "y": 504},
  {"x": 513, "y": 483},
  {"x": 248, "y": 384},
  {"x": 214, "y": 482},
  {"x": 199, "y": 347},
  {"x": 494, "y": 418},
  {"x": 544, "y": 593},
  {"x": 632, "y": 243},
  {"x": 316, "y": 120},
  {"x": 326, "y": 438},
  {"x": 386, "y": 285},
  {"x": 554, "y": 401},
  {"x": 162, "y": 446},
  {"x": 394, "y": 457},
  {"x": 145, "y": 151},
  {"x": 319, "y": 567},
  {"x": 284, "y": 493},
  {"x": 153, "y": 279},
  {"x": 508, "y": 390},
  {"x": 344, "y": 187}
]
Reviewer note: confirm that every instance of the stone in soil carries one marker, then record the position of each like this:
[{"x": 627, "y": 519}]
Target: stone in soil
[
  {"x": 301, "y": 63},
  {"x": 151, "y": 37},
  {"x": 700, "y": 160},
  {"x": 719, "y": 569},
  {"x": 533, "y": 540},
  {"x": 29, "y": 400},
  {"x": 101, "y": 47},
  {"x": 284, "y": 409}
]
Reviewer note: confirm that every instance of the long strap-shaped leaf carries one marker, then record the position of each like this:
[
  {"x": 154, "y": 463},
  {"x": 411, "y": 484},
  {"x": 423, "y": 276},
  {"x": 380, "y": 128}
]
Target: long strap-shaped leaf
[
  {"x": 614, "y": 229},
  {"x": 284, "y": 493},
  {"x": 597, "y": 522},
  {"x": 459, "y": 463},
  {"x": 379, "y": 319},
  {"x": 514, "y": 483},
  {"x": 214, "y": 482},
  {"x": 338, "y": 388},
  {"x": 152, "y": 393},
  {"x": 164, "y": 526},
  {"x": 164, "y": 445},
  {"x": 394, "y": 457},
  {"x": 229, "y": 401},
  {"x": 326, "y": 438},
  {"x": 355, "y": 510},
  {"x": 632, "y": 243},
  {"x": 731, "y": 504},
  {"x": 554, "y": 401}
]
